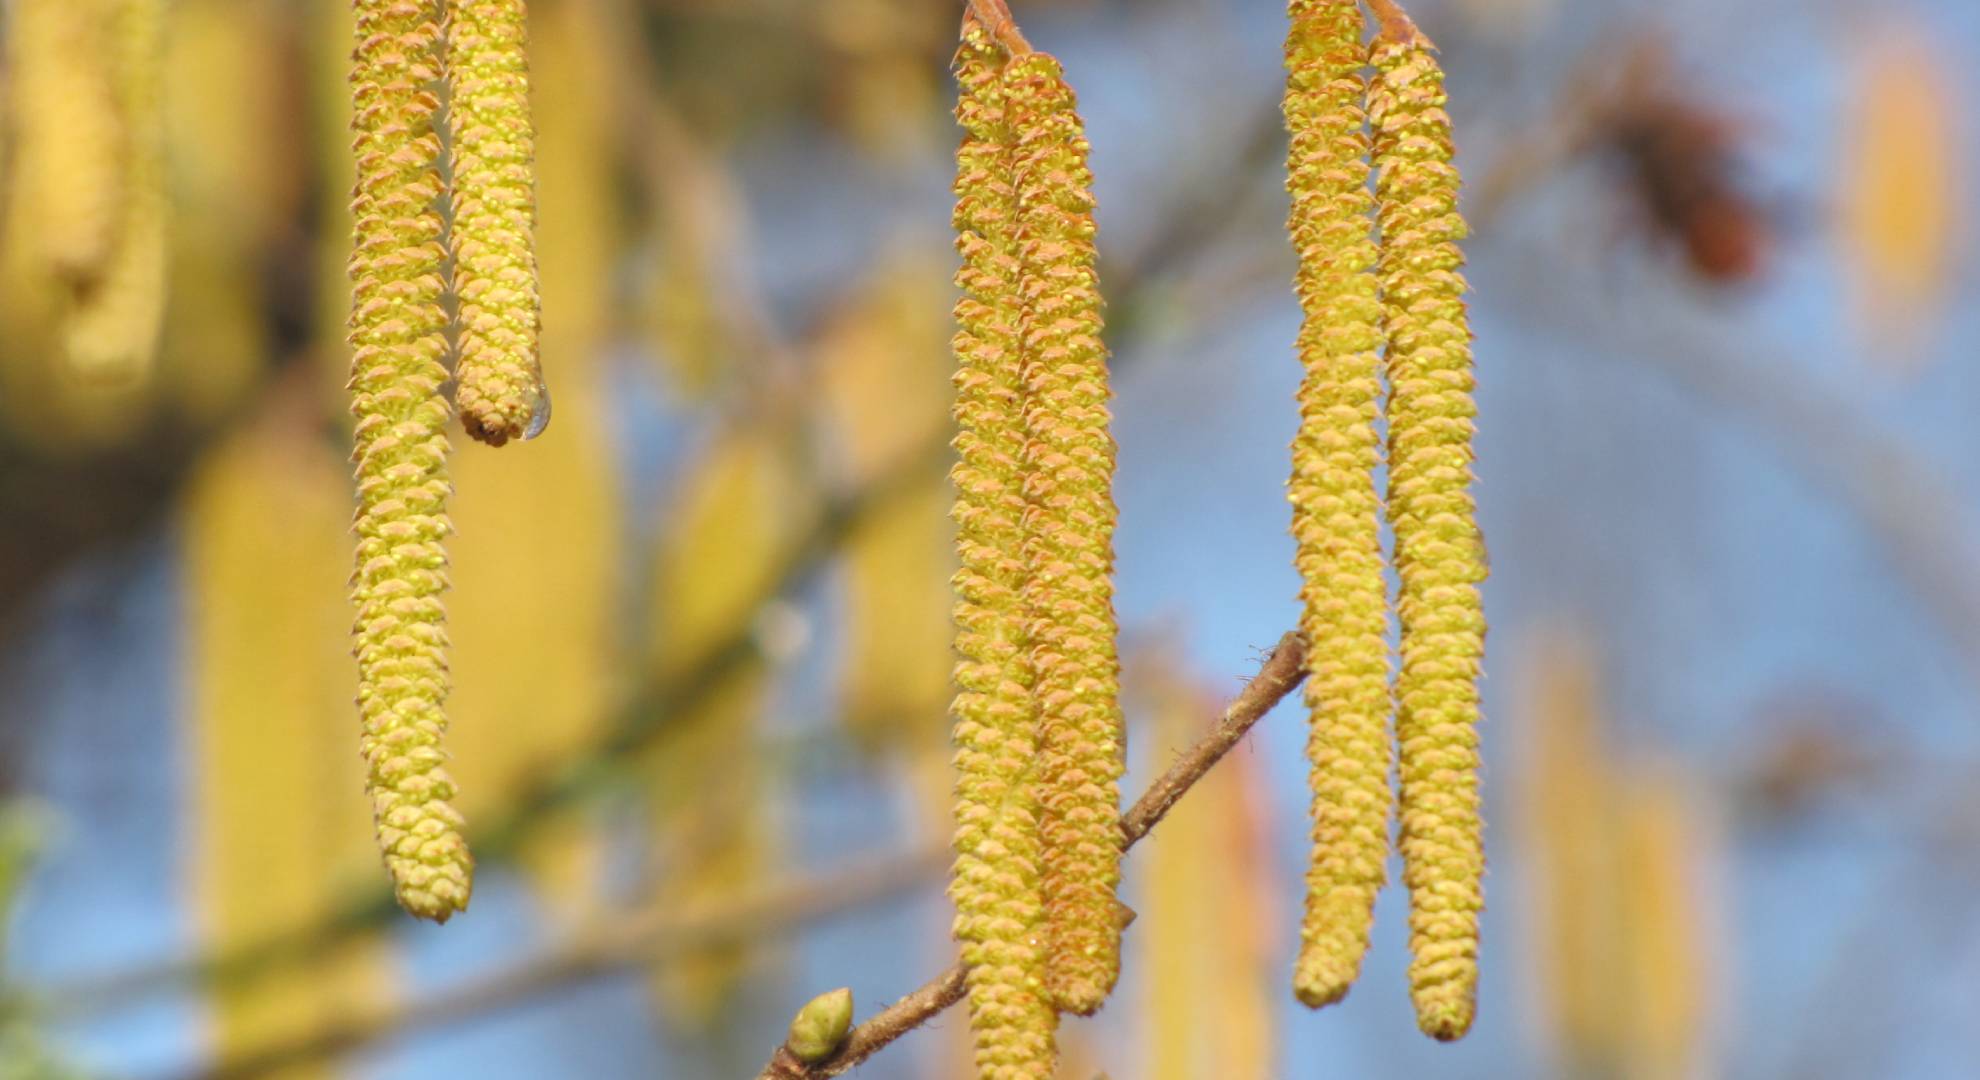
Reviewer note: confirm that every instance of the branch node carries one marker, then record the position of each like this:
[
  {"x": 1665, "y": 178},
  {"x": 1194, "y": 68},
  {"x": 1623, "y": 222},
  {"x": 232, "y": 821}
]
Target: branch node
[{"x": 995, "y": 16}]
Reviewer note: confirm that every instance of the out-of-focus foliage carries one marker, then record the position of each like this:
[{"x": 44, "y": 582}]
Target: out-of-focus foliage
[{"x": 23, "y": 1054}]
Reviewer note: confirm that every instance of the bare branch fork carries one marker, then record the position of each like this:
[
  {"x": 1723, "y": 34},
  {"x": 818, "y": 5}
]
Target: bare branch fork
[{"x": 1281, "y": 673}]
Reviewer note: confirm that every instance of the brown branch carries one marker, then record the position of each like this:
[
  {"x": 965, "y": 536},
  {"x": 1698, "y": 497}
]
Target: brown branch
[
  {"x": 1396, "y": 23},
  {"x": 995, "y": 17},
  {"x": 1282, "y": 671}
]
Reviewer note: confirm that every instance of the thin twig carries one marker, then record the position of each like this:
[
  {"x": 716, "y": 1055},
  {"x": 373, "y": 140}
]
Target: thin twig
[
  {"x": 615, "y": 944},
  {"x": 1396, "y": 23},
  {"x": 1278, "y": 676},
  {"x": 995, "y": 17}
]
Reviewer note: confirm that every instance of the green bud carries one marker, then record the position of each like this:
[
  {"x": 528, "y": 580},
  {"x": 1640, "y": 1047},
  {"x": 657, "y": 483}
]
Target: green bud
[{"x": 819, "y": 1027}]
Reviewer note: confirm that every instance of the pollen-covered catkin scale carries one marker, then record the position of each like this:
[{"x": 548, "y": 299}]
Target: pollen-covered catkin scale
[
  {"x": 1069, "y": 551},
  {"x": 500, "y": 389},
  {"x": 1439, "y": 554},
  {"x": 1336, "y": 518},
  {"x": 996, "y": 880},
  {"x": 397, "y": 331}
]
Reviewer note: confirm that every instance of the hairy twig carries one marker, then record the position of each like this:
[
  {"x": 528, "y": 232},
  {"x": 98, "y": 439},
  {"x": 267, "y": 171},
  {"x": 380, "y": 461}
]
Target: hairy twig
[{"x": 1281, "y": 673}]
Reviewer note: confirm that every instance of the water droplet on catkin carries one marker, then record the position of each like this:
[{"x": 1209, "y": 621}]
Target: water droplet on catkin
[{"x": 539, "y": 412}]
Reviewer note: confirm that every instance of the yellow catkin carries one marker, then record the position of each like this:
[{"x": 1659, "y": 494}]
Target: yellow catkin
[
  {"x": 995, "y": 887},
  {"x": 273, "y": 849},
  {"x": 500, "y": 390},
  {"x": 110, "y": 331},
  {"x": 1336, "y": 515},
  {"x": 69, "y": 133},
  {"x": 1068, "y": 544},
  {"x": 537, "y": 556},
  {"x": 1440, "y": 556},
  {"x": 397, "y": 331}
]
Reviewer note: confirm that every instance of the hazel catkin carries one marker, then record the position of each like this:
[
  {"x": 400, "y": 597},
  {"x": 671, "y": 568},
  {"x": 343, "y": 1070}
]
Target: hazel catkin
[
  {"x": 1440, "y": 556},
  {"x": 397, "y": 333},
  {"x": 995, "y": 885},
  {"x": 1069, "y": 552},
  {"x": 1336, "y": 517},
  {"x": 500, "y": 393}
]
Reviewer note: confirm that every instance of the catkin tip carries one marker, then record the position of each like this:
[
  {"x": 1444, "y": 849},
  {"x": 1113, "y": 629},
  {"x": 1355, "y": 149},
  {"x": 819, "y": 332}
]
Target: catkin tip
[{"x": 499, "y": 374}]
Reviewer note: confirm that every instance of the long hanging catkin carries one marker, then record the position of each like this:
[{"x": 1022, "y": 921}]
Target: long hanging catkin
[
  {"x": 1069, "y": 552},
  {"x": 1440, "y": 555},
  {"x": 1336, "y": 515},
  {"x": 501, "y": 394},
  {"x": 996, "y": 879},
  {"x": 397, "y": 332}
]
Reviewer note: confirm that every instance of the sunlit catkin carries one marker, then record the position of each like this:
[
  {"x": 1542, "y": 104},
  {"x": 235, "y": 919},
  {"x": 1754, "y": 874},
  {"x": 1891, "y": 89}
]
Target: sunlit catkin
[
  {"x": 397, "y": 331},
  {"x": 1440, "y": 556},
  {"x": 110, "y": 327},
  {"x": 500, "y": 392},
  {"x": 1068, "y": 545},
  {"x": 1336, "y": 518},
  {"x": 996, "y": 881}
]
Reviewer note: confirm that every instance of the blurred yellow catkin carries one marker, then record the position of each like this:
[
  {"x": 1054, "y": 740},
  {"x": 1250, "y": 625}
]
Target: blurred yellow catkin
[
  {"x": 1440, "y": 557},
  {"x": 1209, "y": 913},
  {"x": 726, "y": 534},
  {"x": 397, "y": 333},
  {"x": 1568, "y": 840},
  {"x": 70, "y": 134},
  {"x": 999, "y": 910},
  {"x": 89, "y": 175},
  {"x": 238, "y": 162},
  {"x": 1336, "y": 517},
  {"x": 881, "y": 359},
  {"x": 1068, "y": 592},
  {"x": 1667, "y": 927},
  {"x": 884, "y": 362},
  {"x": 500, "y": 390},
  {"x": 111, "y": 329},
  {"x": 278, "y": 791},
  {"x": 1616, "y": 901},
  {"x": 1900, "y": 206},
  {"x": 537, "y": 550}
]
